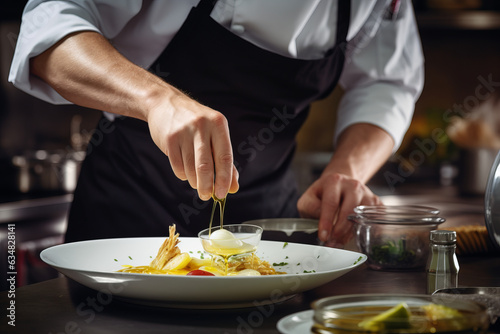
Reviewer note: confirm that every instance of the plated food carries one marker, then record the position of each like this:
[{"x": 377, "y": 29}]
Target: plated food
[{"x": 232, "y": 256}]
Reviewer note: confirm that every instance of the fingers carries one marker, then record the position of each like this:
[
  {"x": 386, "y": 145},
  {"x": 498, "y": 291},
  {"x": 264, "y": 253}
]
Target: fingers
[
  {"x": 330, "y": 205},
  {"x": 332, "y": 199},
  {"x": 234, "y": 181},
  {"x": 223, "y": 158},
  {"x": 200, "y": 152},
  {"x": 342, "y": 230},
  {"x": 202, "y": 172},
  {"x": 176, "y": 161},
  {"x": 309, "y": 204}
]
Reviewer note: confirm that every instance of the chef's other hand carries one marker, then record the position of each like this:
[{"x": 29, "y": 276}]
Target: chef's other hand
[
  {"x": 196, "y": 140},
  {"x": 331, "y": 199}
]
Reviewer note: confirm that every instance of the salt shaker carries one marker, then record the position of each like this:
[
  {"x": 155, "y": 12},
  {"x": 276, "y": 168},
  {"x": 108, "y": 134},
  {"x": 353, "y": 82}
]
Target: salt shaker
[{"x": 442, "y": 267}]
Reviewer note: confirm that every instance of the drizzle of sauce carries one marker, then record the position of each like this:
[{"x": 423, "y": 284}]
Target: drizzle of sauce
[
  {"x": 216, "y": 247},
  {"x": 222, "y": 205}
]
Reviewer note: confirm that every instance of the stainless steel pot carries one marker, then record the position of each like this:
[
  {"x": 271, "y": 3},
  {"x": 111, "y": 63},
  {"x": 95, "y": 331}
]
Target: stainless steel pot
[
  {"x": 475, "y": 165},
  {"x": 45, "y": 170}
]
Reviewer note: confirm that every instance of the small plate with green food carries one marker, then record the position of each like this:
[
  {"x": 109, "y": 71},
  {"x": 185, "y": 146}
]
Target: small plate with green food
[{"x": 382, "y": 313}]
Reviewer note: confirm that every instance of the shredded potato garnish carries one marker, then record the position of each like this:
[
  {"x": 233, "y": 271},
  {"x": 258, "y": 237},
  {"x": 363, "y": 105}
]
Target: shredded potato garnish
[
  {"x": 255, "y": 263},
  {"x": 167, "y": 251}
]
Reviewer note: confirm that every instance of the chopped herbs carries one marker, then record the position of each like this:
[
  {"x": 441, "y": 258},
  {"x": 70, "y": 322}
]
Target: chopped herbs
[
  {"x": 359, "y": 259},
  {"x": 309, "y": 271},
  {"x": 393, "y": 253},
  {"x": 298, "y": 264},
  {"x": 285, "y": 244},
  {"x": 281, "y": 264},
  {"x": 130, "y": 257},
  {"x": 286, "y": 257},
  {"x": 116, "y": 260}
]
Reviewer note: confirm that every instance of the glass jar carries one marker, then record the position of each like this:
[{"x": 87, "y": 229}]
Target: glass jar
[{"x": 395, "y": 237}]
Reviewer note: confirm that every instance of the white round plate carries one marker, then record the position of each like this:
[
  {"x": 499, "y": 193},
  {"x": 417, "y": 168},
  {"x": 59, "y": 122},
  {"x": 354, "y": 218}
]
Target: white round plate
[
  {"x": 94, "y": 263},
  {"x": 296, "y": 323}
]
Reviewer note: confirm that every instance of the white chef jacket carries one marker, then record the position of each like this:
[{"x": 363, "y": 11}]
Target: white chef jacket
[{"x": 383, "y": 72}]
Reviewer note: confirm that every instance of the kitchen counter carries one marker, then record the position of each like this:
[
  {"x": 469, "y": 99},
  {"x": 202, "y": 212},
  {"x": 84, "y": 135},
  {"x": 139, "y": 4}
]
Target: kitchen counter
[
  {"x": 64, "y": 306},
  {"x": 38, "y": 222}
]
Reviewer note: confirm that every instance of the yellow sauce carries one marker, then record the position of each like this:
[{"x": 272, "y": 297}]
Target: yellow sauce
[
  {"x": 228, "y": 252},
  {"x": 151, "y": 270}
]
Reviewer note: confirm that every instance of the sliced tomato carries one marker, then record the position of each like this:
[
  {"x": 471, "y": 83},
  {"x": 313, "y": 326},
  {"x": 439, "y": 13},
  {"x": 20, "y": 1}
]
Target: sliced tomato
[{"x": 199, "y": 272}]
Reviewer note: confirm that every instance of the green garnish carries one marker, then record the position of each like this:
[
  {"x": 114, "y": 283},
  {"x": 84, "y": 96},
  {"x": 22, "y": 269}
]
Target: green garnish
[
  {"x": 281, "y": 264},
  {"x": 397, "y": 317},
  {"x": 285, "y": 244},
  {"x": 116, "y": 260},
  {"x": 130, "y": 257},
  {"x": 359, "y": 259},
  {"x": 393, "y": 253},
  {"x": 309, "y": 271}
]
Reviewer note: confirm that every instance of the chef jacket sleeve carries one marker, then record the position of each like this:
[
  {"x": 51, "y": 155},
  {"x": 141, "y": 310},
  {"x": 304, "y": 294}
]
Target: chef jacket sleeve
[
  {"x": 44, "y": 23},
  {"x": 383, "y": 76}
]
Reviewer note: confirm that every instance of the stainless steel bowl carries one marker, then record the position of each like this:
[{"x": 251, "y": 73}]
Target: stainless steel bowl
[
  {"x": 299, "y": 230},
  {"x": 492, "y": 201},
  {"x": 488, "y": 296}
]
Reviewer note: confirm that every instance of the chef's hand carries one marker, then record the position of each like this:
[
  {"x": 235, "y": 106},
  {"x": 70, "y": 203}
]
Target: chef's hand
[
  {"x": 331, "y": 199},
  {"x": 196, "y": 140},
  {"x": 361, "y": 150}
]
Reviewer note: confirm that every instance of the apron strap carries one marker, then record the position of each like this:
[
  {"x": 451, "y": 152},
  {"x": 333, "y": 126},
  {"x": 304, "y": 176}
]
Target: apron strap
[
  {"x": 206, "y": 6},
  {"x": 343, "y": 19}
]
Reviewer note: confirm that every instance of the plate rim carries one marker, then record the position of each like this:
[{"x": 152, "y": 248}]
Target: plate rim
[
  {"x": 361, "y": 259},
  {"x": 288, "y": 318}
]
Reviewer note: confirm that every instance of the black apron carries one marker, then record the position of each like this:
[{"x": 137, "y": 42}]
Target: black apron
[{"x": 126, "y": 186}]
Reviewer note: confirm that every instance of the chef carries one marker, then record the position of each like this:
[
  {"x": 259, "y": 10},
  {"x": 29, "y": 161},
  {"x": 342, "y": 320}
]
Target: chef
[{"x": 203, "y": 98}]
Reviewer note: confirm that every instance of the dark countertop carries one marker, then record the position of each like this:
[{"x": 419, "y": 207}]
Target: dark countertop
[{"x": 64, "y": 306}]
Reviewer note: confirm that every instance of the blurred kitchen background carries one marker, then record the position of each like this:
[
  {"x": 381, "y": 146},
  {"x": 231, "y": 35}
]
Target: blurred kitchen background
[{"x": 42, "y": 145}]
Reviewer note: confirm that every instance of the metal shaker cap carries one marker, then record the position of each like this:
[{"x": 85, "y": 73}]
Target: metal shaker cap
[{"x": 443, "y": 237}]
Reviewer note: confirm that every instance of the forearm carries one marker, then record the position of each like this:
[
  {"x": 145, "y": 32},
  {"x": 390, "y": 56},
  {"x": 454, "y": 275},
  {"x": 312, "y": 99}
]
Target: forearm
[
  {"x": 87, "y": 70},
  {"x": 361, "y": 150}
]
